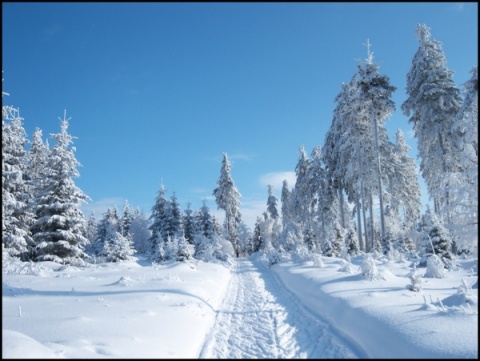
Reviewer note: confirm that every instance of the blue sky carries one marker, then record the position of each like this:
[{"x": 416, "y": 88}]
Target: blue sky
[{"x": 158, "y": 91}]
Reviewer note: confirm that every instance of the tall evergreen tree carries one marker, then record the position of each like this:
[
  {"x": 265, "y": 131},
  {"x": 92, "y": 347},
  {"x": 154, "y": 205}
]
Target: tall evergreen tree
[
  {"x": 158, "y": 220},
  {"x": 189, "y": 224},
  {"x": 175, "y": 219},
  {"x": 140, "y": 232},
  {"x": 375, "y": 94},
  {"x": 227, "y": 197},
  {"x": 17, "y": 217},
  {"x": 59, "y": 230},
  {"x": 272, "y": 203},
  {"x": 432, "y": 105},
  {"x": 127, "y": 219},
  {"x": 286, "y": 199},
  {"x": 37, "y": 158},
  {"x": 464, "y": 183}
]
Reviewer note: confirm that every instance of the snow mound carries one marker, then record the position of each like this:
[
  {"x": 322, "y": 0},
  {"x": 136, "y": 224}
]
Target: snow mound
[
  {"x": 16, "y": 343},
  {"x": 123, "y": 281}
]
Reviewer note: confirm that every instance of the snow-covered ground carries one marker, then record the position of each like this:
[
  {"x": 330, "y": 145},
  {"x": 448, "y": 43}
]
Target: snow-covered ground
[{"x": 243, "y": 309}]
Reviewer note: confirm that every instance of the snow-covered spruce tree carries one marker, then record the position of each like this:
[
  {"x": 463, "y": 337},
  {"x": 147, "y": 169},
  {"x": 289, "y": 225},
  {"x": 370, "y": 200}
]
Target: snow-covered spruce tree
[
  {"x": 374, "y": 106},
  {"x": 97, "y": 245},
  {"x": 189, "y": 224},
  {"x": 257, "y": 238},
  {"x": 432, "y": 105},
  {"x": 116, "y": 246},
  {"x": 436, "y": 239},
  {"x": 351, "y": 242},
  {"x": 37, "y": 158},
  {"x": 158, "y": 226},
  {"x": 331, "y": 151},
  {"x": 59, "y": 230},
  {"x": 126, "y": 220},
  {"x": 346, "y": 145},
  {"x": 16, "y": 214},
  {"x": 301, "y": 198},
  {"x": 185, "y": 250},
  {"x": 245, "y": 239},
  {"x": 227, "y": 198},
  {"x": 175, "y": 219},
  {"x": 286, "y": 200},
  {"x": 204, "y": 221},
  {"x": 140, "y": 232},
  {"x": 333, "y": 245},
  {"x": 403, "y": 185},
  {"x": 91, "y": 230},
  {"x": 272, "y": 203},
  {"x": 463, "y": 191}
]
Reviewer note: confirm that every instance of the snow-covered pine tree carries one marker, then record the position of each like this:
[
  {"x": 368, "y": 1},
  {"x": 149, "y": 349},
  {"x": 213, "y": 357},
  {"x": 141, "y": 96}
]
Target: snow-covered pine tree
[
  {"x": 189, "y": 224},
  {"x": 59, "y": 230},
  {"x": 126, "y": 220},
  {"x": 116, "y": 246},
  {"x": 17, "y": 217},
  {"x": 347, "y": 146},
  {"x": 436, "y": 239},
  {"x": 332, "y": 149},
  {"x": 227, "y": 198},
  {"x": 158, "y": 221},
  {"x": 432, "y": 104},
  {"x": 375, "y": 106},
  {"x": 97, "y": 245},
  {"x": 257, "y": 239},
  {"x": 174, "y": 218},
  {"x": 185, "y": 250},
  {"x": 204, "y": 221},
  {"x": 245, "y": 239},
  {"x": 403, "y": 185},
  {"x": 301, "y": 198},
  {"x": 286, "y": 200},
  {"x": 334, "y": 243},
  {"x": 351, "y": 242},
  {"x": 272, "y": 203},
  {"x": 140, "y": 232},
  {"x": 37, "y": 158},
  {"x": 463, "y": 190},
  {"x": 91, "y": 230}
]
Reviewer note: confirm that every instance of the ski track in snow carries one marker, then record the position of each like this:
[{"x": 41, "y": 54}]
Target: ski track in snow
[{"x": 259, "y": 318}]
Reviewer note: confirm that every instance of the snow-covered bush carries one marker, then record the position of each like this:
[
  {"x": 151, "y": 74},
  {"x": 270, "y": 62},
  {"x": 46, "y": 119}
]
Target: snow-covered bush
[
  {"x": 369, "y": 269},
  {"x": 345, "y": 266},
  {"x": 435, "y": 267},
  {"x": 317, "y": 260},
  {"x": 415, "y": 279}
]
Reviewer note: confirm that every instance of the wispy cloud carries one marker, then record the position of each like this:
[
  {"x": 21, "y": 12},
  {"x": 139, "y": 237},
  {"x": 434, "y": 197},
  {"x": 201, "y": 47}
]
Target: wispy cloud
[
  {"x": 276, "y": 179},
  {"x": 458, "y": 6},
  {"x": 100, "y": 207}
]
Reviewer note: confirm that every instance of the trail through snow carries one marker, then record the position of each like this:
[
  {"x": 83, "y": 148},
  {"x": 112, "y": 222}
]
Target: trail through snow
[{"x": 259, "y": 318}]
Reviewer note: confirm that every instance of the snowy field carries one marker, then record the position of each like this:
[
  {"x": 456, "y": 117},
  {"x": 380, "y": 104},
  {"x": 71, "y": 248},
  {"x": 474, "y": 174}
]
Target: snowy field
[{"x": 243, "y": 309}]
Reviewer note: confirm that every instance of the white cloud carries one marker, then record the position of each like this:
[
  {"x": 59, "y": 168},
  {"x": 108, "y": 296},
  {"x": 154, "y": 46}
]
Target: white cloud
[
  {"x": 276, "y": 179},
  {"x": 100, "y": 207}
]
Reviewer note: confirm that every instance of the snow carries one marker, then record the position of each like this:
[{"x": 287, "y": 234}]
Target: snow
[{"x": 241, "y": 309}]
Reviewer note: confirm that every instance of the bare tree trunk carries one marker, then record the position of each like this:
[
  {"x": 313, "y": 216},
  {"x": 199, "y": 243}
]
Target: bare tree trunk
[
  {"x": 379, "y": 176},
  {"x": 359, "y": 228},
  {"x": 342, "y": 215},
  {"x": 372, "y": 230}
]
